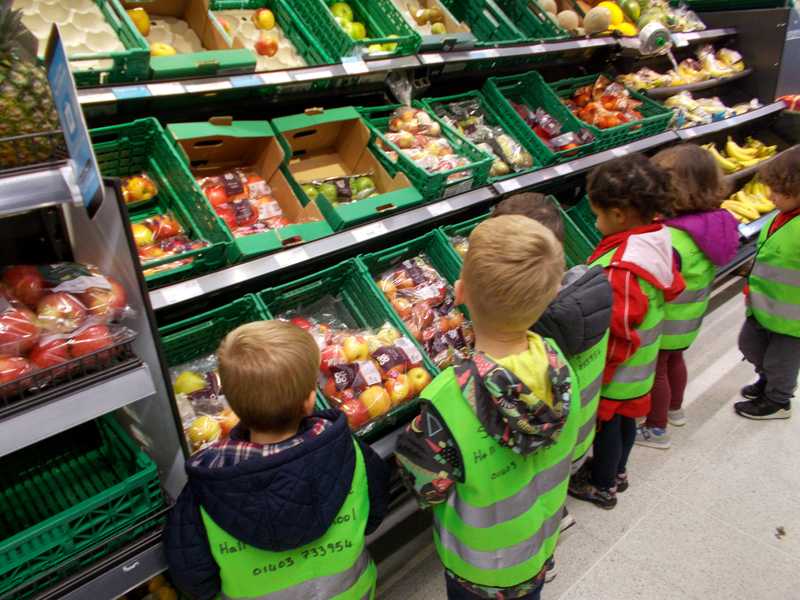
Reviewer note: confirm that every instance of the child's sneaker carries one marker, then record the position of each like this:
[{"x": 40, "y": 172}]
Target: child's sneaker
[
  {"x": 567, "y": 521},
  {"x": 677, "y": 418},
  {"x": 762, "y": 409},
  {"x": 754, "y": 391},
  {"x": 551, "y": 569},
  {"x": 653, "y": 437},
  {"x": 622, "y": 482},
  {"x": 581, "y": 488}
]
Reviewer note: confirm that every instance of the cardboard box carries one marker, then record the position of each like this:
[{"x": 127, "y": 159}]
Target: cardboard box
[
  {"x": 458, "y": 33},
  {"x": 336, "y": 143},
  {"x": 222, "y": 52},
  {"x": 221, "y": 145}
]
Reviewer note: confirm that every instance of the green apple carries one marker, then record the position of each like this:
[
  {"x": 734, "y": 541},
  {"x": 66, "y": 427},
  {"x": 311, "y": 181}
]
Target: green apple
[
  {"x": 328, "y": 191},
  {"x": 361, "y": 185},
  {"x": 438, "y": 29},
  {"x": 375, "y": 48},
  {"x": 342, "y": 10},
  {"x": 358, "y": 31},
  {"x": 310, "y": 190},
  {"x": 189, "y": 382},
  {"x": 390, "y": 46}
]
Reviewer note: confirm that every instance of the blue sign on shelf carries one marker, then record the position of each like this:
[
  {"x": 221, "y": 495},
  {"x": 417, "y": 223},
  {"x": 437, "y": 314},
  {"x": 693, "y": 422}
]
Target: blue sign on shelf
[{"x": 76, "y": 134}]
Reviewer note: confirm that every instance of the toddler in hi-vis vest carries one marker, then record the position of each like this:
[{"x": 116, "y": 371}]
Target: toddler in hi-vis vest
[
  {"x": 704, "y": 237},
  {"x": 770, "y": 337},
  {"x": 636, "y": 253},
  {"x": 280, "y": 510},
  {"x": 492, "y": 447}
]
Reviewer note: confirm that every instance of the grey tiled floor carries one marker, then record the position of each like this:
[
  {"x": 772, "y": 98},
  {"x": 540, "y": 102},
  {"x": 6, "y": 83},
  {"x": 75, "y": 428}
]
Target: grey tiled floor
[{"x": 699, "y": 521}]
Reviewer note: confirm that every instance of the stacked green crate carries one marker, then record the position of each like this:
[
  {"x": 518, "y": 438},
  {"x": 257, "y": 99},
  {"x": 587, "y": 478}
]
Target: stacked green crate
[
  {"x": 143, "y": 146},
  {"x": 488, "y": 23},
  {"x": 534, "y": 23},
  {"x": 63, "y": 499},
  {"x": 364, "y": 303},
  {"x": 384, "y": 26},
  {"x": 584, "y": 220},
  {"x": 436, "y": 185}
]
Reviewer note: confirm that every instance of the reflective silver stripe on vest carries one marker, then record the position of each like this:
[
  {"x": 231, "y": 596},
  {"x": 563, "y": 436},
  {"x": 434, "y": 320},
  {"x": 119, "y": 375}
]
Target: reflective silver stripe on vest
[
  {"x": 784, "y": 310},
  {"x": 319, "y": 587},
  {"x": 586, "y": 430},
  {"x": 776, "y": 274},
  {"x": 634, "y": 374},
  {"x": 502, "y": 558},
  {"x": 648, "y": 336},
  {"x": 681, "y": 327},
  {"x": 692, "y": 296},
  {"x": 513, "y": 506},
  {"x": 589, "y": 392}
]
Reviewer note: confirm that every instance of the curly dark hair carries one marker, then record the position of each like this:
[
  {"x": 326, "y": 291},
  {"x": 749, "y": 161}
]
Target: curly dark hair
[
  {"x": 697, "y": 181},
  {"x": 782, "y": 174},
  {"x": 632, "y": 182},
  {"x": 534, "y": 206}
]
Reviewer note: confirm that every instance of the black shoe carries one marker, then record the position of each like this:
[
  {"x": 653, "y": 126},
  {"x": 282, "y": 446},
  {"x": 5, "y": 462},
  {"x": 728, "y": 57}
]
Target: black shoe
[
  {"x": 622, "y": 482},
  {"x": 582, "y": 489},
  {"x": 762, "y": 409},
  {"x": 754, "y": 391}
]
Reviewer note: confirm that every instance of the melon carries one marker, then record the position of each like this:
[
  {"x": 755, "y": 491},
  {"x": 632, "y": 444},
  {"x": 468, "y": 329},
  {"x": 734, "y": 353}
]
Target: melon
[{"x": 597, "y": 20}]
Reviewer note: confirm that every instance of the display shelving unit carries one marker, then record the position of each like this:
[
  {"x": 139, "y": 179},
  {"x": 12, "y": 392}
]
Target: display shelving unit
[{"x": 140, "y": 396}]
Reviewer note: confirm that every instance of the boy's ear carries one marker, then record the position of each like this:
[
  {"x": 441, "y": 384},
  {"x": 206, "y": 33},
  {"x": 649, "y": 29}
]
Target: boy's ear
[
  {"x": 460, "y": 293},
  {"x": 618, "y": 216},
  {"x": 310, "y": 403}
]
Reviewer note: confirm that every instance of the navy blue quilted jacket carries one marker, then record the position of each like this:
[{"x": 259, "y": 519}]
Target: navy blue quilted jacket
[{"x": 276, "y": 502}]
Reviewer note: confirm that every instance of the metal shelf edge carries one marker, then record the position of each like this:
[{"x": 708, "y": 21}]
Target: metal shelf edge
[
  {"x": 30, "y": 426},
  {"x": 752, "y": 229},
  {"x": 666, "y": 92},
  {"x": 394, "y": 518},
  {"x": 37, "y": 188}
]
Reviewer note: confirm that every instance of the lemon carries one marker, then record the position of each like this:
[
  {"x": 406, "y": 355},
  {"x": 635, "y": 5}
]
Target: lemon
[
  {"x": 626, "y": 29},
  {"x": 616, "y": 12}
]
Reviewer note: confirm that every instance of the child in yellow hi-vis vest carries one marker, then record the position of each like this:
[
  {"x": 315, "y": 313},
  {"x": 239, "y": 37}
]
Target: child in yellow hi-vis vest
[
  {"x": 770, "y": 337},
  {"x": 281, "y": 509},
  {"x": 492, "y": 447}
]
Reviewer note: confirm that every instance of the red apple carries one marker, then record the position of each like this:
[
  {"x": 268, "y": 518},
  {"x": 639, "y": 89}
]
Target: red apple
[
  {"x": 90, "y": 340},
  {"x": 60, "y": 312},
  {"x": 18, "y": 331},
  {"x": 25, "y": 283},
  {"x": 355, "y": 348},
  {"x": 267, "y": 45},
  {"x": 50, "y": 354},
  {"x": 13, "y": 368},
  {"x": 399, "y": 389},
  {"x": 301, "y": 322},
  {"x": 216, "y": 195},
  {"x": 107, "y": 304},
  {"x": 356, "y": 413},
  {"x": 227, "y": 421},
  {"x": 376, "y": 400},
  {"x": 330, "y": 355}
]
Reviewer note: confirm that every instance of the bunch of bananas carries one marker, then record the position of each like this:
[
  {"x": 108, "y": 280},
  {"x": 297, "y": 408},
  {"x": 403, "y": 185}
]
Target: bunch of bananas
[
  {"x": 750, "y": 202},
  {"x": 735, "y": 157}
]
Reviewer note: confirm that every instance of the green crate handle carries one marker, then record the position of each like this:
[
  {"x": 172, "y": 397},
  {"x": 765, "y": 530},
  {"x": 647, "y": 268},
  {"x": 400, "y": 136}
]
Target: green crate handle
[{"x": 304, "y": 289}]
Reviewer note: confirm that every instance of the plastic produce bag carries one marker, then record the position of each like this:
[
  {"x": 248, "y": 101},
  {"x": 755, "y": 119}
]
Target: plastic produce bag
[{"x": 138, "y": 189}]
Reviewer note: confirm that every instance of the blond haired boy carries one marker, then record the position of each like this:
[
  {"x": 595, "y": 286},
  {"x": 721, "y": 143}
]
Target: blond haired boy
[
  {"x": 492, "y": 447},
  {"x": 282, "y": 507}
]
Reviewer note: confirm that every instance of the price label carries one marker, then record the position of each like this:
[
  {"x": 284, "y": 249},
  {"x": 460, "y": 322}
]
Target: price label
[
  {"x": 241, "y": 81},
  {"x": 689, "y": 133},
  {"x": 458, "y": 188},
  {"x": 431, "y": 59},
  {"x": 619, "y": 152},
  {"x": 275, "y": 78},
  {"x": 583, "y": 43},
  {"x": 440, "y": 208},
  {"x": 510, "y": 185},
  {"x": 130, "y": 92},
  {"x": 291, "y": 257},
  {"x": 165, "y": 89},
  {"x": 312, "y": 74},
  {"x": 354, "y": 66},
  {"x": 562, "y": 170},
  {"x": 181, "y": 291},
  {"x": 211, "y": 86},
  {"x": 367, "y": 232},
  {"x": 97, "y": 98},
  {"x": 537, "y": 49}
]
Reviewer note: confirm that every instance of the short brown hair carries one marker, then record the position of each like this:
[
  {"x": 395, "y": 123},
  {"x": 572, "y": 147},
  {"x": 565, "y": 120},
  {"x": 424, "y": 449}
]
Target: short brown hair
[
  {"x": 632, "y": 182},
  {"x": 512, "y": 271},
  {"x": 782, "y": 174},
  {"x": 698, "y": 184},
  {"x": 267, "y": 370},
  {"x": 534, "y": 206}
]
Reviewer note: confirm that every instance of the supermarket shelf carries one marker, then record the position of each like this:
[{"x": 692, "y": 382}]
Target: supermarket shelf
[
  {"x": 754, "y": 115},
  {"x": 29, "y": 189},
  {"x": 703, "y": 36},
  {"x": 750, "y": 171},
  {"x": 746, "y": 252},
  {"x": 395, "y": 518},
  {"x": 666, "y": 92},
  {"x": 583, "y": 164},
  {"x": 30, "y": 426},
  {"x": 385, "y": 446},
  {"x": 349, "y": 239},
  {"x": 752, "y": 229}
]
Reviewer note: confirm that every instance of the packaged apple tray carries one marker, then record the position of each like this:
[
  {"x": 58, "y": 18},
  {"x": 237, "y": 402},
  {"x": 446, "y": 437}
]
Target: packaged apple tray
[
  {"x": 59, "y": 328},
  {"x": 69, "y": 500}
]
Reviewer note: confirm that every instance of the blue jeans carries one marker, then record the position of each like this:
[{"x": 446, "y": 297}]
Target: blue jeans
[{"x": 455, "y": 591}]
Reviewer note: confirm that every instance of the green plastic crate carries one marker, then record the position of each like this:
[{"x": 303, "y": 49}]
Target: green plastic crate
[
  {"x": 130, "y": 64},
  {"x": 488, "y": 23},
  {"x": 583, "y": 218},
  {"x": 432, "y": 186},
  {"x": 69, "y": 493},
  {"x": 142, "y": 145},
  {"x": 462, "y": 229},
  {"x": 577, "y": 246},
  {"x": 656, "y": 118},
  {"x": 380, "y": 18},
  {"x": 347, "y": 282},
  {"x": 533, "y": 23},
  {"x": 541, "y": 155},
  {"x": 530, "y": 89}
]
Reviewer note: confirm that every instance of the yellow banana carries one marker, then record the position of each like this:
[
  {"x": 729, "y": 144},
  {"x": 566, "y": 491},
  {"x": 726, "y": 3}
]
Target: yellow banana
[
  {"x": 768, "y": 151},
  {"x": 739, "y": 208},
  {"x": 752, "y": 162},
  {"x": 727, "y": 165},
  {"x": 735, "y": 151}
]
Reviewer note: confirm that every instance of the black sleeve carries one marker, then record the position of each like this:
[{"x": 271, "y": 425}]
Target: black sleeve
[
  {"x": 378, "y": 484},
  {"x": 191, "y": 566}
]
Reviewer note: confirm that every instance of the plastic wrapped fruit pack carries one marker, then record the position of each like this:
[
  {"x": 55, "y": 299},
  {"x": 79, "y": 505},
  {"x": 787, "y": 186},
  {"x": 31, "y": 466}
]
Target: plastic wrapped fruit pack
[
  {"x": 425, "y": 302},
  {"x": 419, "y": 137},
  {"x": 469, "y": 118},
  {"x": 138, "y": 189},
  {"x": 604, "y": 104},
  {"x": 161, "y": 236},
  {"x": 205, "y": 414},
  {"x": 549, "y": 130},
  {"x": 342, "y": 190},
  {"x": 244, "y": 201},
  {"x": 364, "y": 373},
  {"x": 460, "y": 244},
  {"x": 706, "y": 65},
  {"x": 57, "y": 318}
]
